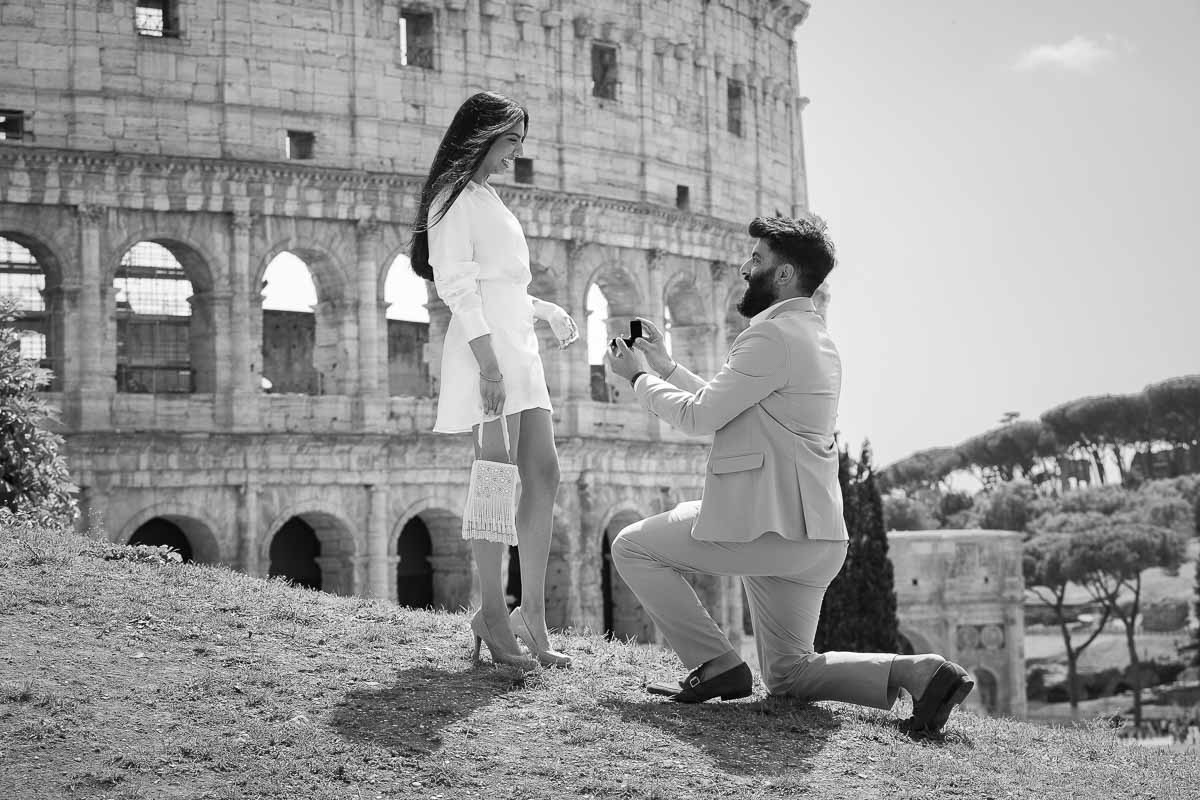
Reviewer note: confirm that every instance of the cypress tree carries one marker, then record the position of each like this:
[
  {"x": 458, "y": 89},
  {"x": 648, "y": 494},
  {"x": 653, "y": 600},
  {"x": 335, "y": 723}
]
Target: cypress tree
[{"x": 859, "y": 613}]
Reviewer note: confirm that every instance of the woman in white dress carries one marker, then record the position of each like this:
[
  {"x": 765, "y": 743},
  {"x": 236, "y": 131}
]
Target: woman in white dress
[{"x": 472, "y": 247}]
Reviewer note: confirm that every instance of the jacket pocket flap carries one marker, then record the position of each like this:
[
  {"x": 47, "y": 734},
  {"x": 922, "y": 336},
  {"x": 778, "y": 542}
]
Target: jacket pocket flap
[{"x": 721, "y": 466}]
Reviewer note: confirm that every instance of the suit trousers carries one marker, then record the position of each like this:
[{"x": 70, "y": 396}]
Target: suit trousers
[{"x": 785, "y": 582}]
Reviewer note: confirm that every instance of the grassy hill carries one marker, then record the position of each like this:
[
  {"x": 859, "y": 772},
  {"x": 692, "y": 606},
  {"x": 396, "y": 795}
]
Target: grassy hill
[{"x": 122, "y": 678}]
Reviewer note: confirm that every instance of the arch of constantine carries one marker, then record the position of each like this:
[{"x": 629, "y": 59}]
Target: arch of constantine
[{"x": 157, "y": 162}]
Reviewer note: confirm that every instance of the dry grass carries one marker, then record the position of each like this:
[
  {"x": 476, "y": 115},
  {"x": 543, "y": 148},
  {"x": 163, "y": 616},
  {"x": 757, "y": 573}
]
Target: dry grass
[{"x": 137, "y": 679}]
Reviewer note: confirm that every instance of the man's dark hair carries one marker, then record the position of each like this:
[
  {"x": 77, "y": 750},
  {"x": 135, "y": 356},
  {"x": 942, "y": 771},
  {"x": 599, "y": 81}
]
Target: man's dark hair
[{"x": 801, "y": 243}]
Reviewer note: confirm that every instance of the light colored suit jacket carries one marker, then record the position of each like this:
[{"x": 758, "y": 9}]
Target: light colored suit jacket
[{"x": 771, "y": 411}]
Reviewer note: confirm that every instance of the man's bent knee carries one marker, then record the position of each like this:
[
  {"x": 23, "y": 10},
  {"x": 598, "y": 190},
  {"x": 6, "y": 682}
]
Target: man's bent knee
[{"x": 624, "y": 547}]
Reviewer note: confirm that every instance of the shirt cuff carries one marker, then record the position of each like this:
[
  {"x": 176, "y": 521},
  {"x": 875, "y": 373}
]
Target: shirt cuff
[
  {"x": 633, "y": 381},
  {"x": 473, "y": 323}
]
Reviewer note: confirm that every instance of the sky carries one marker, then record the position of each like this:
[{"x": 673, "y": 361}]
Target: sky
[{"x": 1014, "y": 192}]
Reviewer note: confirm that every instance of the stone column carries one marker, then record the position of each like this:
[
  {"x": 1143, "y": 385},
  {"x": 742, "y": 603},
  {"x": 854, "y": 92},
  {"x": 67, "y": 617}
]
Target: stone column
[
  {"x": 248, "y": 530},
  {"x": 579, "y": 376},
  {"x": 93, "y": 390},
  {"x": 371, "y": 399},
  {"x": 239, "y": 396},
  {"x": 439, "y": 321},
  {"x": 717, "y": 289},
  {"x": 209, "y": 324},
  {"x": 377, "y": 543},
  {"x": 62, "y": 336},
  {"x": 691, "y": 345},
  {"x": 657, "y": 302},
  {"x": 799, "y": 168}
]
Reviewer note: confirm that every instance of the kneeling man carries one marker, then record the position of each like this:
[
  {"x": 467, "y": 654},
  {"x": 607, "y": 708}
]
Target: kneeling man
[{"x": 771, "y": 511}]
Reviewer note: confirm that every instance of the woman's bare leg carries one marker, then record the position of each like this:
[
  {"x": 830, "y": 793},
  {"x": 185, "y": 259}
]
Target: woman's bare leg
[
  {"x": 537, "y": 460},
  {"x": 488, "y": 555}
]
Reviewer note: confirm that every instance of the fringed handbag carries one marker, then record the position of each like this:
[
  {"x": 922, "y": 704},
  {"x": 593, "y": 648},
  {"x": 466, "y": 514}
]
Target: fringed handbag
[{"x": 491, "y": 511}]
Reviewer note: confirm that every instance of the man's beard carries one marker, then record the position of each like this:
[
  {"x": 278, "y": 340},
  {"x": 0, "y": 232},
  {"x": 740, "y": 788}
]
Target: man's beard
[{"x": 760, "y": 295}]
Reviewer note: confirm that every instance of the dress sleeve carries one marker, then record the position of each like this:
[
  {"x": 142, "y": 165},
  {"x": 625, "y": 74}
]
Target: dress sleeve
[{"x": 455, "y": 271}]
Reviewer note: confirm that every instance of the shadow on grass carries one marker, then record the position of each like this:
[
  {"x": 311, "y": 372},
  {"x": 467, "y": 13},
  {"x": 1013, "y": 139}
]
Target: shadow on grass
[
  {"x": 759, "y": 739},
  {"x": 409, "y": 716}
]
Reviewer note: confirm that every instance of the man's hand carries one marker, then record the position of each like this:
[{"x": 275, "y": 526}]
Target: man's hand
[
  {"x": 620, "y": 360},
  {"x": 653, "y": 346}
]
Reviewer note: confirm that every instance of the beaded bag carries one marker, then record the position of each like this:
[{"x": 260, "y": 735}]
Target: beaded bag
[{"x": 491, "y": 510}]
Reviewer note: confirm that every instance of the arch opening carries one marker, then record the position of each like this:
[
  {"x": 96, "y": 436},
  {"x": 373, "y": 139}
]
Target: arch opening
[
  {"x": 406, "y": 296},
  {"x": 289, "y": 328},
  {"x": 192, "y": 538},
  {"x": 444, "y": 580},
  {"x": 597, "y": 343},
  {"x": 314, "y": 549},
  {"x": 295, "y": 549},
  {"x": 39, "y": 309},
  {"x": 160, "y": 532},
  {"x": 414, "y": 572},
  {"x": 165, "y": 335},
  {"x": 988, "y": 689},
  {"x": 624, "y": 617}
]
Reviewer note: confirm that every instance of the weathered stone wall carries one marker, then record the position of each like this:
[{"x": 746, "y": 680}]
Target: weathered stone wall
[
  {"x": 960, "y": 593},
  {"x": 240, "y": 74}
]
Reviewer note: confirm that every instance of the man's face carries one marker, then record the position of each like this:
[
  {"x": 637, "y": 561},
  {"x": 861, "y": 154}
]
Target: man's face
[{"x": 759, "y": 272}]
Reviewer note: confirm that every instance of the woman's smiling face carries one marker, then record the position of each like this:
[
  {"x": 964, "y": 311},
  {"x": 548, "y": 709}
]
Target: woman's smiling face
[{"x": 504, "y": 150}]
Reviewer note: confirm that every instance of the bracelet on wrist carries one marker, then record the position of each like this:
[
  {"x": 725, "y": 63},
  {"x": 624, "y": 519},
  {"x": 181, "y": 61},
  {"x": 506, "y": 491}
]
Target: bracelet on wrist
[{"x": 491, "y": 380}]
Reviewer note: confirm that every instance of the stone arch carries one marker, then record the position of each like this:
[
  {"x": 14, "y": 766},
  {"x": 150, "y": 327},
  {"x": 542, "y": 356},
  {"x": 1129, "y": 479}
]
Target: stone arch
[
  {"x": 42, "y": 312},
  {"x": 328, "y": 273},
  {"x": 195, "y": 258},
  {"x": 917, "y": 641},
  {"x": 688, "y": 329},
  {"x": 162, "y": 349},
  {"x": 405, "y": 304},
  {"x": 683, "y": 298},
  {"x": 450, "y": 561},
  {"x": 987, "y": 690},
  {"x": 623, "y": 616},
  {"x": 622, "y": 301},
  {"x": 309, "y": 352},
  {"x": 620, "y": 288},
  {"x": 40, "y": 242},
  {"x": 338, "y": 545},
  {"x": 191, "y": 521}
]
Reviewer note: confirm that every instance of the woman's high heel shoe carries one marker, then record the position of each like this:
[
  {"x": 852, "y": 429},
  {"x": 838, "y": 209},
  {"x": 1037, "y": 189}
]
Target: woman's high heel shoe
[
  {"x": 483, "y": 635},
  {"x": 546, "y": 657}
]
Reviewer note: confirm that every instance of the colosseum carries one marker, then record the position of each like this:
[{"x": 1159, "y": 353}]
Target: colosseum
[{"x": 204, "y": 210}]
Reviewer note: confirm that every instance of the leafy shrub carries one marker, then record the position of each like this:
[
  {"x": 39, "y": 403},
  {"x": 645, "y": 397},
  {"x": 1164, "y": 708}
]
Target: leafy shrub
[
  {"x": 33, "y": 475},
  {"x": 146, "y": 553}
]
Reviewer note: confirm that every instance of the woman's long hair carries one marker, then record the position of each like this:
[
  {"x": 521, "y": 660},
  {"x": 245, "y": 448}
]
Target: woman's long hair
[{"x": 478, "y": 123}]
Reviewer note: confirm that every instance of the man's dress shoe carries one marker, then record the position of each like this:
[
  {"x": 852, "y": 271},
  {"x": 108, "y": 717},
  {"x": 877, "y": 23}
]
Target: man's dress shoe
[
  {"x": 948, "y": 687},
  {"x": 729, "y": 685}
]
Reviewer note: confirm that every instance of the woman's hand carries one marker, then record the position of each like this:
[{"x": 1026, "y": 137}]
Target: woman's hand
[
  {"x": 564, "y": 328},
  {"x": 491, "y": 393}
]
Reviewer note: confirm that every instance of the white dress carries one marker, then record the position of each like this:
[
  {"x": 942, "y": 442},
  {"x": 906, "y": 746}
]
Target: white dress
[{"x": 481, "y": 271}]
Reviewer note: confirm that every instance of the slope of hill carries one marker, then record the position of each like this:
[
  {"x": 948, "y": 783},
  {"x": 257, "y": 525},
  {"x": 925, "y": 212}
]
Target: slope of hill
[{"x": 127, "y": 678}]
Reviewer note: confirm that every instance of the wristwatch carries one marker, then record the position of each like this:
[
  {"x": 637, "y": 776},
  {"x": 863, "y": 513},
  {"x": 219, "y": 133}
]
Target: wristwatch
[{"x": 635, "y": 376}]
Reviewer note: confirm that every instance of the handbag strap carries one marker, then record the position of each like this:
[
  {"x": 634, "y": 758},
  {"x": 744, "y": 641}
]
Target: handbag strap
[{"x": 503, "y": 433}]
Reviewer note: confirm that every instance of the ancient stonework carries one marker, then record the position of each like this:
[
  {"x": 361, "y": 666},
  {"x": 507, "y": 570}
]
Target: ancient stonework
[{"x": 960, "y": 593}]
